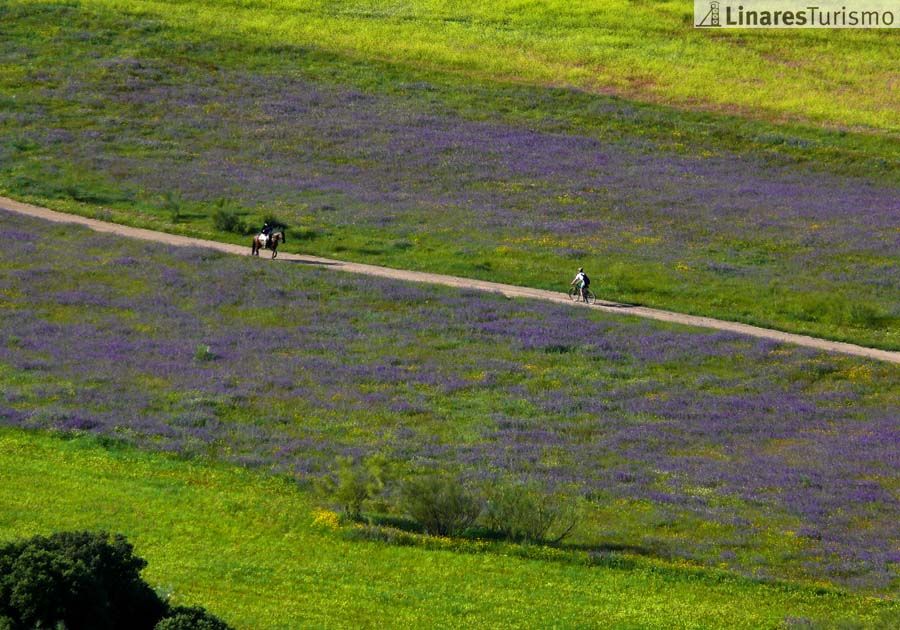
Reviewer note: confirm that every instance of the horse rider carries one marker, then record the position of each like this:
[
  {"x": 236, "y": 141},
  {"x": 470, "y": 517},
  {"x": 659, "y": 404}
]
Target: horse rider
[{"x": 266, "y": 232}]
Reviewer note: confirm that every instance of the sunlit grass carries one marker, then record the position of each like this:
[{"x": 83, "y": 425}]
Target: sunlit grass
[
  {"x": 646, "y": 51},
  {"x": 245, "y": 547}
]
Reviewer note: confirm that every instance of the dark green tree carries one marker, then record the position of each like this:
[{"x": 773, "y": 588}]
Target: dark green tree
[
  {"x": 79, "y": 579},
  {"x": 85, "y": 580}
]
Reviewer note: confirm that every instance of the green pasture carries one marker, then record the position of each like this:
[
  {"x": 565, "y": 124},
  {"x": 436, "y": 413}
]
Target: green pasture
[
  {"x": 255, "y": 550},
  {"x": 646, "y": 51}
]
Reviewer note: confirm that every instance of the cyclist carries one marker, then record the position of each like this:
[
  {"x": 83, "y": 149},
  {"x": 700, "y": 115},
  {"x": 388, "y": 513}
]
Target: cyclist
[{"x": 582, "y": 282}]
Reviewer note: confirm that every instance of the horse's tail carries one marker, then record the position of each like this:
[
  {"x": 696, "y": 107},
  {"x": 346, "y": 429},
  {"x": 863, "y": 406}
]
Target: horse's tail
[{"x": 283, "y": 236}]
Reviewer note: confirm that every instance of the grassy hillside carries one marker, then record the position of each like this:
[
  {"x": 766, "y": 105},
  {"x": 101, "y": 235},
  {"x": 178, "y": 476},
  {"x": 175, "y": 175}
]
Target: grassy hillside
[
  {"x": 245, "y": 547},
  {"x": 683, "y": 443},
  {"x": 128, "y": 118},
  {"x": 749, "y": 176},
  {"x": 643, "y": 51},
  {"x": 138, "y": 120}
]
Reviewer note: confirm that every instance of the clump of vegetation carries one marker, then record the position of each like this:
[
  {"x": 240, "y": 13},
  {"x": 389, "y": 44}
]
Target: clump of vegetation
[
  {"x": 204, "y": 353},
  {"x": 84, "y": 580},
  {"x": 173, "y": 204},
  {"x": 525, "y": 513},
  {"x": 441, "y": 504},
  {"x": 226, "y": 218},
  {"x": 190, "y": 618},
  {"x": 445, "y": 505},
  {"x": 359, "y": 483}
]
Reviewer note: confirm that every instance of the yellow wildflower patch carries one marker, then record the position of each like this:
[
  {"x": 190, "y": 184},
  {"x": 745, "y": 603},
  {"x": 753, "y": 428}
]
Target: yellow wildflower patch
[
  {"x": 326, "y": 519},
  {"x": 860, "y": 373}
]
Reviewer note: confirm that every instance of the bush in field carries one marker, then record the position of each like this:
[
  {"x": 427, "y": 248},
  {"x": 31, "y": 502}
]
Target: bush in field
[
  {"x": 443, "y": 505},
  {"x": 191, "y": 618},
  {"x": 79, "y": 580},
  {"x": 173, "y": 204},
  {"x": 440, "y": 504},
  {"x": 525, "y": 513},
  {"x": 204, "y": 353},
  {"x": 228, "y": 220},
  {"x": 359, "y": 483}
]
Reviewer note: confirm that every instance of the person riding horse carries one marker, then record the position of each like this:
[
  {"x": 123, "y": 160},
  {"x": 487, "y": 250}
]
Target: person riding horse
[
  {"x": 268, "y": 238},
  {"x": 266, "y": 231}
]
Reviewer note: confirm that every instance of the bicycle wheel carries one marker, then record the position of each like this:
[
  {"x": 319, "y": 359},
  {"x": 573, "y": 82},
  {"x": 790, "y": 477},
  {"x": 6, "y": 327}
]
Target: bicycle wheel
[
  {"x": 573, "y": 294},
  {"x": 590, "y": 297}
]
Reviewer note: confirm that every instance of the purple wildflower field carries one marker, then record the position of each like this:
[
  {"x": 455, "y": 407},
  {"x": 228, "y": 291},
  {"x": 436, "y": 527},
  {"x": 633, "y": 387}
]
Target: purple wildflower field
[
  {"x": 772, "y": 460},
  {"x": 399, "y": 174},
  {"x": 374, "y": 160}
]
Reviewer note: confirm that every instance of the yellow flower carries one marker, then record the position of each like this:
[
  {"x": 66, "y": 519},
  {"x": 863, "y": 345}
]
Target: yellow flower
[
  {"x": 326, "y": 519},
  {"x": 860, "y": 373}
]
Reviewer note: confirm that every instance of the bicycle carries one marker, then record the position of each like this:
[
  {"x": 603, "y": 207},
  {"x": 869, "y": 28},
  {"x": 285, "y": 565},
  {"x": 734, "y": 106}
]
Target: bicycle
[{"x": 575, "y": 295}]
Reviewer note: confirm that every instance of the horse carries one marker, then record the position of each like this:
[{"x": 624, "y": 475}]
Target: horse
[{"x": 261, "y": 241}]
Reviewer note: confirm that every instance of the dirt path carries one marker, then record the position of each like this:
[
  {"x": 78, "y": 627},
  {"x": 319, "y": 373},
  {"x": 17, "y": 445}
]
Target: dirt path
[{"x": 453, "y": 281}]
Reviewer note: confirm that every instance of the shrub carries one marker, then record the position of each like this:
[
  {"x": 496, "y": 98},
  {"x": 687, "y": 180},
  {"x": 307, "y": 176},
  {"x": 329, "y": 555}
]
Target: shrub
[
  {"x": 525, "y": 513},
  {"x": 227, "y": 220},
  {"x": 358, "y": 483},
  {"x": 353, "y": 488},
  {"x": 191, "y": 618},
  {"x": 204, "y": 353},
  {"x": 440, "y": 504},
  {"x": 866, "y": 315},
  {"x": 172, "y": 203}
]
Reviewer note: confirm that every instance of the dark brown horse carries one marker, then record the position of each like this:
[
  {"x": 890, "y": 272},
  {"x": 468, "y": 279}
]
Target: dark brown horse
[{"x": 261, "y": 241}]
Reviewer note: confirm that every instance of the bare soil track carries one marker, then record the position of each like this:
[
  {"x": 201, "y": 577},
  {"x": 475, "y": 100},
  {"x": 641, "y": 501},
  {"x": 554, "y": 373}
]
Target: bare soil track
[{"x": 453, "y": 281}]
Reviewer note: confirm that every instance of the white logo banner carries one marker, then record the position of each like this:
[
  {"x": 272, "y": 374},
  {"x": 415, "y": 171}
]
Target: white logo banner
[{"x": 797, "y": 13}]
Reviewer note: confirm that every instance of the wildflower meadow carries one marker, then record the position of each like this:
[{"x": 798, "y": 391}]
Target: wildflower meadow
[
  {"x": 290, "y": 445},
  {"x": 685, "y": 443}
]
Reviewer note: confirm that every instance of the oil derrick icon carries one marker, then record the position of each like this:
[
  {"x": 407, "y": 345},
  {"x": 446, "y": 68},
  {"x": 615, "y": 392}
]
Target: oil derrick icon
[{"x": 712, "y": 17}]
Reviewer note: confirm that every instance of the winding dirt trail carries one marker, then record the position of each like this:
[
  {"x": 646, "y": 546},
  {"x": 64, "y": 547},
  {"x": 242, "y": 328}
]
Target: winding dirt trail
[{"x": 453, "y": 281}]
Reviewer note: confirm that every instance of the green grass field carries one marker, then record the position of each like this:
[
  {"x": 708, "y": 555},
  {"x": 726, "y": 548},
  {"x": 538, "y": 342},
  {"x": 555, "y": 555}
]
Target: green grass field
[
  {"x": 244, "y": 546},
  {"x": 642, "y": 51}
]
